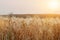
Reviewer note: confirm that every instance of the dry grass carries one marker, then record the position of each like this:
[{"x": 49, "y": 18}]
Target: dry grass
[{"x": 34, "y": 28}]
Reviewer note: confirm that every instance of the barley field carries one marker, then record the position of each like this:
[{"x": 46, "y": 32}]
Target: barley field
[{"x": 29, "y": 28}]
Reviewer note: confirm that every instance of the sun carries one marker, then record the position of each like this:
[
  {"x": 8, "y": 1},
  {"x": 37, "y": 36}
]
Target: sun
[{"x": 53, "y": 5}]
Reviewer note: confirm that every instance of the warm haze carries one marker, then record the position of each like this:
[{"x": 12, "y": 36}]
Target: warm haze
[{"x": 29, "y": 6}]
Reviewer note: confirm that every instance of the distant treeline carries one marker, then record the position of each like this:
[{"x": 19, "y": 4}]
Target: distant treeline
[{"x": 33, "y": 15}]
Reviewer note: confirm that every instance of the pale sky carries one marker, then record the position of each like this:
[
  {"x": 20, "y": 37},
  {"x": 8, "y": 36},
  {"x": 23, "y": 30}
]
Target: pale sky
[{"x": 28, "y": 6}]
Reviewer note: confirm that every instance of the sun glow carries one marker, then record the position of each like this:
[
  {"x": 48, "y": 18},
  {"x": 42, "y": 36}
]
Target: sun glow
[{"x": 53, "y": 5}]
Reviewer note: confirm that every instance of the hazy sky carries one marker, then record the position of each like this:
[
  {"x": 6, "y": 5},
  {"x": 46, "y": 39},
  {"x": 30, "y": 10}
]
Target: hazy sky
[{"x": 26, "y": 6}]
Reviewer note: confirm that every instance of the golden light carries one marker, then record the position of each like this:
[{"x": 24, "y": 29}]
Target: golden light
[{"x": 53, "y": 5}]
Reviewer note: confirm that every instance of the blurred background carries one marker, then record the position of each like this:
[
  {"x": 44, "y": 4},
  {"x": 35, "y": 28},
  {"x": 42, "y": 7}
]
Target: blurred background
[{"x": 29, "y": 6}]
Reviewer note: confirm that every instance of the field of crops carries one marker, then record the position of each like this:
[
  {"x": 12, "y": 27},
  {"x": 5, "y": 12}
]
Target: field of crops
[{"x": 30, "y": 28}]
